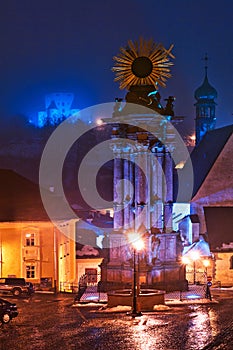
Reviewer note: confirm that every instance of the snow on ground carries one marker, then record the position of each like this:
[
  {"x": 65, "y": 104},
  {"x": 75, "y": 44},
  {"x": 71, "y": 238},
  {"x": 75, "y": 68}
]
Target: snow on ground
[
  {"x": 87, "y": 304},
  {"x": 119, "y": 308},
  {"x": 190, "y": 301},
  {"x": 161, "y": 308}
]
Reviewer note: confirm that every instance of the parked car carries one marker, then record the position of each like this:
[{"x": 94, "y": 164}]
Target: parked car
[
  {"x": 7, "y": 311},
  {"x": 16, "y": 286}
]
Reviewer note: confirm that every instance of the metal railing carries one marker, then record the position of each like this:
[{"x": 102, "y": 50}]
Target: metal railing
[
  {"x": 93, "y": 293},
  {"x": 194, "y": 292}
]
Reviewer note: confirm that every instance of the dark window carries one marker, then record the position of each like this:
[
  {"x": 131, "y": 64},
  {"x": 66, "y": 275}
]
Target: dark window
[
  {"x": 30, "y": 271},
  {"x": 231, "y": 262}
]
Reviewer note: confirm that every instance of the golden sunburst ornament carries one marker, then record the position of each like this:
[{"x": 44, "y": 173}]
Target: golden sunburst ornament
[{"x": 142, "y": 62}]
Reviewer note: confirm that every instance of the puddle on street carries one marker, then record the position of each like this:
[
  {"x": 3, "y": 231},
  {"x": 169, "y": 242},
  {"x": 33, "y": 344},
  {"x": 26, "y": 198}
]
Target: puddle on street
[
  {"x": 147, "y": 332},
  {"x": 203, "y": 327}
]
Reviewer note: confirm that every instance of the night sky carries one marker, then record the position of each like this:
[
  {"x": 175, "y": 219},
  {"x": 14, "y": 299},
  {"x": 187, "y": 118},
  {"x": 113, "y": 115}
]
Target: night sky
[{"x": 54, "y": 46}]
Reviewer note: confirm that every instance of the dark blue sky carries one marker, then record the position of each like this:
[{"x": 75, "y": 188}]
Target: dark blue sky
[{"x": 49, "y": 46}]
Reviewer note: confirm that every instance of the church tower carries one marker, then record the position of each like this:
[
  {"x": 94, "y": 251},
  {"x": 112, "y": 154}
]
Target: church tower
[{"x": 205, "y": 107}]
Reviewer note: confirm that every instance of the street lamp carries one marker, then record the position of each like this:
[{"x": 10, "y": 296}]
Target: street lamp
[
  {"x": 138, "y": 244},
  {"x": 206, "y": 263},
  {"x": 185, "y": 260}
]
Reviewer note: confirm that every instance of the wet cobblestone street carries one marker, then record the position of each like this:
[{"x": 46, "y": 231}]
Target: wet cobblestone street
[{"x": 52, "y": 322}]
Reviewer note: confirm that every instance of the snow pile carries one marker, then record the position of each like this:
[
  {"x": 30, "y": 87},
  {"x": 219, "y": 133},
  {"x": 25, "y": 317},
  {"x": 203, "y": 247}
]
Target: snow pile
[
  {"x": 161, "y": 307},
  {"x": 119, "y": 308}
]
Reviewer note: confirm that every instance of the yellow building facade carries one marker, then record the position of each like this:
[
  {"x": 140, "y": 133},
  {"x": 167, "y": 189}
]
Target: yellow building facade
[
  {"x": 223, "y": 268},
  {"x": 39, "y": 252}
]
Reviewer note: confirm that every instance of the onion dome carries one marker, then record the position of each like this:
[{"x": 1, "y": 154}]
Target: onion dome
[{"x": 205, "y": 91}]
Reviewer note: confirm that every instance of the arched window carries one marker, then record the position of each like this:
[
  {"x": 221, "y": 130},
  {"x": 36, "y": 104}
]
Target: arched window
[{"x": 231, "y": 262}]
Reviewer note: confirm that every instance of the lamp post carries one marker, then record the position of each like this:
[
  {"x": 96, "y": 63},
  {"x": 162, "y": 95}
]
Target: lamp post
[
  {"x": 135, "y": 311},
  {"x": 184, "y": 262},
  {"x": 194, "y": 256},
  {"x": 138, "y": 244}
]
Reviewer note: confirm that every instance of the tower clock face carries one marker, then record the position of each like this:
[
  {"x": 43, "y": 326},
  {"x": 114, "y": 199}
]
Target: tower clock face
[
  {"x": 142, "y": 67},
  {"x": 142, "y": 62}
]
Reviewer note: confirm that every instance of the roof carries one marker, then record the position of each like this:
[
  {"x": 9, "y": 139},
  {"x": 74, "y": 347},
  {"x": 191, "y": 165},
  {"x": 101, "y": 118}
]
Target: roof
[
  {"x": 20, "y": 199},
  {"x": 205, "y": 154},
  {"x": 201, "y": 246},
  {"x": 219, "y": 222},
  {"x": 205, "y": 91},
  {"x": 87, "y": 251}
]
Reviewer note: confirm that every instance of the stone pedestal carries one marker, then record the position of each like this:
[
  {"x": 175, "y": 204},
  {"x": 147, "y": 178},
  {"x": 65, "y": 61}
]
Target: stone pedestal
[{"x": 143, "y": 162}]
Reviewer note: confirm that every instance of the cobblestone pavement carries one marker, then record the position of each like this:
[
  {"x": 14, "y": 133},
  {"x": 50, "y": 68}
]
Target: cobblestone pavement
[{"x": 53, "y": 322}]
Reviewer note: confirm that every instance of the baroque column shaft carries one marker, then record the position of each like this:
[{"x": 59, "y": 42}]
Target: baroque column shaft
[
  {"x": 127, "y": 194},
  {"x": 141, "y": 189},
  {"x": 118, "y": 192},
  {"x": 168, "y": 171},
  {"x": 159, "y": 180}
]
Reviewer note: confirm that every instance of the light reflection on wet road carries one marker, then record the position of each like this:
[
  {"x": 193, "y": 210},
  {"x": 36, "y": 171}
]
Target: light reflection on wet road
[
  {"x": 50, "y": 322},
  {"x": 179, "y": 330}
]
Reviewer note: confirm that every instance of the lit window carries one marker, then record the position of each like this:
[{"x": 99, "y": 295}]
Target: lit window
[
  {"x": 30, "y": 239},
  {"x": 30, "y": 271}
]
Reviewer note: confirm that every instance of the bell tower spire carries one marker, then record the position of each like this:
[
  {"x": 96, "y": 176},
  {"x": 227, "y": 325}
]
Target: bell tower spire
[{"x": 205, "y": 106}]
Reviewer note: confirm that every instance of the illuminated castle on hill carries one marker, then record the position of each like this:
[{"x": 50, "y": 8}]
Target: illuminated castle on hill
[{"x": 58, "y": 106}]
